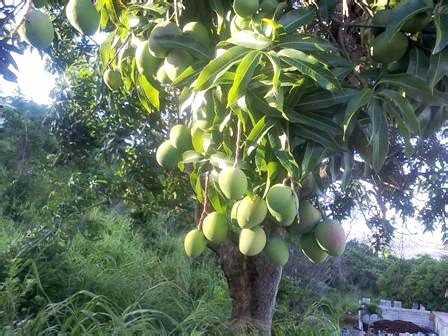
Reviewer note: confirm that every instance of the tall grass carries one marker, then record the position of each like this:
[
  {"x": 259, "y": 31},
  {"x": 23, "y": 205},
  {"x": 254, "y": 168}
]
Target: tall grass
[
  {"x": 114, "y": 285},
  {"x": 129, "y": 282}
]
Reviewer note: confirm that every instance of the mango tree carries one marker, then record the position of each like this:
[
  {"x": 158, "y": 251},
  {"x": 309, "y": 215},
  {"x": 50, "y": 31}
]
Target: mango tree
[{"x": 273, "y": 101}]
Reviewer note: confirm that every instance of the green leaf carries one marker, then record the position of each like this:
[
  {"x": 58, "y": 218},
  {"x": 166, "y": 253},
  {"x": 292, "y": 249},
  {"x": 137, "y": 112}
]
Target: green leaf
[
  {"x": 438, "y": 67},
  {"x": 275, "y": 61},
  {"x": 353, "y": 107},
  {"x": 215, "y": 200},
  {"x": 250, "y": 40},
  {"x": 191, "y": 156},
  {"x": 217, "y": 67},
  {"x": 243, "y": 75},
  {"x": 403, "y": 12},
  {"x": 324, "y": 99},
  {"x": 404, "y": 132},
  {"x": 416, "y": 88},
  {"x": 404, "y": 107},
  {"x": 189, "y": 73},
  {"x": 312, "y": 158},
  {"x": 380, "y": 134},
  {"x": 257, "y": 133},
  {"x": 182, "y": 42},
  {"x": 314, "y": 121},
  {"x": 319, "y": 137},
  {"x": 441, "y": 23},
  {"x": 305, "y": 42},
  {"x": 150, "y": 92},
  {"x": 195, "y": 182},
  {"x": 418, "y": 63},
  {"x": 308, "y": 66},
  {"x": 297, "y": 18}
]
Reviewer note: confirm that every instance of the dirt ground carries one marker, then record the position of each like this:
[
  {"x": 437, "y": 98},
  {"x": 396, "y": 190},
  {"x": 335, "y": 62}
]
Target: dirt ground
[{"x": 398, "y": 327}]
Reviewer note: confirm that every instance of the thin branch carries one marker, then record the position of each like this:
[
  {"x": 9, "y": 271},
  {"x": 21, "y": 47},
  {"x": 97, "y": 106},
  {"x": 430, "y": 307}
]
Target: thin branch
[
  {"x": 118, "y": 51},
  {"x": 237, "y": 144},
  {"x": 28, "y": 4},
  {"x": 205, "y": 208}
]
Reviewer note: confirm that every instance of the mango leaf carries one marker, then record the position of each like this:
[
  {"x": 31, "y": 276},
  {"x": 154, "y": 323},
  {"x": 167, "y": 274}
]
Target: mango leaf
[
  {"x": 250, "y": 40},
  {"x": 404, "y": 108},
  {"x": 275, "y": 61},
  {"x": 319, "y": 137},
  {"x": 217, "y": 67},
  {"x": 306, "y": 42},
  {"x": 243, "y": 75},
  {"x": 416, "y": 88},
  {"x": 438, "y": 117},
  {"x": 354, "y": 105},
  {"x": 418, "y": 63},
  {"x": 218, "y": 8},
  {"x": 314, "y": 120},
  {"x": 438, "y": 67},
  {"x": 195, "y": 182},
  {"x": 215, "y": 200},
  {"x": 257, "y": 134},
  {"x": 297, "y": 18},
  {"x": 441, "y": 23},
  {"x": 308, "y": 67},
  {"x": 277, "y": 139},
  {"x": 324, "y": 99},
  {"x": 191, "y": 156},
  {"x": 403, "y": 12},
  {"x": 150, "y": 92},
  {"x": 379, "y": 135},
  {"x": 404, "y": 132},
  {"x": 183, "y": 42},
  {"x": 188, "y": 73},
  {"x": 312, "y": 158},
  {"x": 348, "y": 159}
]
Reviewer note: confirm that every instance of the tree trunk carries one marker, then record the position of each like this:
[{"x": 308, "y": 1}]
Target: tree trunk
[{"x": 253, "y": 285}]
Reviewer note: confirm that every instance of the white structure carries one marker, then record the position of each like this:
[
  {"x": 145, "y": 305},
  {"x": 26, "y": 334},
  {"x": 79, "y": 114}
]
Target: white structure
[
  {"x": 441, "y": 323},
  {"x": 437, "y": 321}
]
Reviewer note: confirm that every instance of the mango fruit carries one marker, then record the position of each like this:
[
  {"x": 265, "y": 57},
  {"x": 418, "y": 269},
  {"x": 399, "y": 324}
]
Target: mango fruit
[
  {"x": 282, "y": 204},
  {"x": 145, "y": 62},
  {"x": 251, "y": 212},
  {"x": 215, "y": 227},
  {"x": 277, "y": 251},
  {"x": 83, "y": 16},
  {"x": 330, "y": 236},
  {"x": 311, "y": 249},
  {"x": 180, "y": 137},
  {"x": 232, "y": 182},
  {"x": 176, "y": 62},
  {"x": 197, "y": 32},
  {"x": 167, "y": 156},
  {"x": 112, "y": 78},
  {"x": 194, "y": 243},
  {"x": 161, "y": 30},
  {"x": 252, "y": 241},
  {"x": 36, "y": 29}
]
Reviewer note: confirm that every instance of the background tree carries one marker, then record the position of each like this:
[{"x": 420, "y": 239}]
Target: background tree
[{"x": 316, "y": 113}]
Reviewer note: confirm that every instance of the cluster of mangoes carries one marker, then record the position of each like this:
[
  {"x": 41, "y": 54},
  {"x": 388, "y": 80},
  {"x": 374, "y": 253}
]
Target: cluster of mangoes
[
  {"x": 391, "y": 50},
  {"x": 153, "y": 58},
  {"x": 37, "y": 28},
  {"x": 318, "y": 238},
  {"x": 249, "y": 211}
]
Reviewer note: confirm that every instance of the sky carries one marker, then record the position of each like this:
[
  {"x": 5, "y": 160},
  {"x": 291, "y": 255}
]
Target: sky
[{"x": 35, "y": 84}]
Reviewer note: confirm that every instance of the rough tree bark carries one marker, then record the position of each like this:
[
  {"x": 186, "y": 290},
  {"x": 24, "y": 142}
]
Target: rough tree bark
[{"x": 253, "y": 284}]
